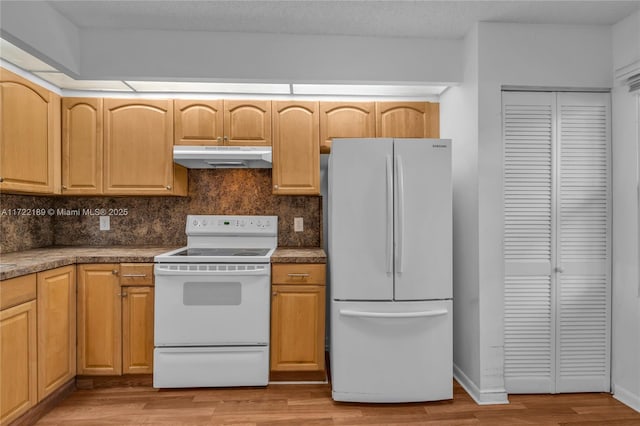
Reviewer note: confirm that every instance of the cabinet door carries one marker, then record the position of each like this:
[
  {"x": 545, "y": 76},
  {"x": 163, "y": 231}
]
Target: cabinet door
[
  {"x": 345, "y": 120},
  {"x": 18, "y": 361},
  {"x": 137, "y": 330},
  {"x": 297, "y": 328},
  {"x": 247, "y": 123},
  {"x": 29, "y": 136},
  {"x": 198, "y": 122},
  {"x": 99, "y": 320},
  {"x": 56, "y": 328},
  {"x": 407, "y": 120},
  {"x": 138, "y": 139},
  {"x": 81, "y": 146},
  {"x": 296, "y": 153}
]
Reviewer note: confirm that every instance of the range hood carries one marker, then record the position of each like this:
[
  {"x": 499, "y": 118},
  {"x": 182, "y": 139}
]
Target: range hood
[{"x": 223, "y": 157}]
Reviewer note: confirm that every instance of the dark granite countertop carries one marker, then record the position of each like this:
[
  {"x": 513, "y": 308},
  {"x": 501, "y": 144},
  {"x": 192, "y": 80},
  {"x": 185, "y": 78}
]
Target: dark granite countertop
[
  {"x": 299, "y": 255},
  {"x": 30, "y": 261}
]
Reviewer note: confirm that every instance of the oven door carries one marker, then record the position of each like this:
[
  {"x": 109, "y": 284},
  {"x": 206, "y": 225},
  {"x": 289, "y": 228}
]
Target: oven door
[{"x": 212, "y": 304}]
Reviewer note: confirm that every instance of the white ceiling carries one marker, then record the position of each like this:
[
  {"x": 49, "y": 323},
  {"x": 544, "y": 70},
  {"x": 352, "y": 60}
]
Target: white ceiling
[{"x": 430, "y": 19}]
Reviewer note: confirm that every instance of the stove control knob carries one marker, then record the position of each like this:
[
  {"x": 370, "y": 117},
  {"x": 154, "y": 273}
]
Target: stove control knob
[
  {"x": 195, "y": 222},
  {"x": 204, "y": 222}
]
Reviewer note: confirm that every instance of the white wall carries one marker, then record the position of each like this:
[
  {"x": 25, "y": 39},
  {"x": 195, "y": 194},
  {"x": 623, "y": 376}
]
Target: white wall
[
  {"x": 137, "y": 54},
  {"x": 530, "y": 55},
  {"x": 626, "y": 291},
  {"x": 459, "y": 122},
  {"x": 506, "y": 54},
  {"x": 102, "y": 54},
  {"x": 39, "y": 29}
]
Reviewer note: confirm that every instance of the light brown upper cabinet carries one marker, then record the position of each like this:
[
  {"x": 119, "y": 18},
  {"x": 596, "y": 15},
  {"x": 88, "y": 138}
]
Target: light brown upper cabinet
[
  {"x": 407, "y": 120},
  {"x": 119, "y": 147},
  {"x": 29, "y": 137},
  {"x": 138, "y": 148},
  {"x": 296, "y": 153},
  {"x": 345, "y": 120},
  {"x": 198, "y": 122},
  {"x": 82, "y": 146},
  {"x": 228, "y": 122}
]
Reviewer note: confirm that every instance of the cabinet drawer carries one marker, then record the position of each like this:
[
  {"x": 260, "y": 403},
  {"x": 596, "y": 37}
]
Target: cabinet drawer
[
  {"x": 17, "y": 290},
  {"x": 298, "y": 273},
  {"x": 136, "y": 274}
]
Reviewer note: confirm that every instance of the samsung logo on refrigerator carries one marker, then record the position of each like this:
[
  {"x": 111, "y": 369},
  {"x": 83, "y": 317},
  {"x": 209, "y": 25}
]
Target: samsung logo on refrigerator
[{"x": 435, "y": 145}]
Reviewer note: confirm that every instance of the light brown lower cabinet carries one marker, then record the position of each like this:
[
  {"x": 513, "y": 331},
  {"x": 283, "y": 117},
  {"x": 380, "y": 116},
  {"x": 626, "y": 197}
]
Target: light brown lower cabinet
[
  {"x": 56, "y": 303},
  {"x": 99, "y": 318},
  {"x": 38, "y": 338},
  {"x": 18, "y": 360},
  {"x": 137, "y": 330},
  {"x": 115, "y": 321},
  {"x": 298, "y": 322}
]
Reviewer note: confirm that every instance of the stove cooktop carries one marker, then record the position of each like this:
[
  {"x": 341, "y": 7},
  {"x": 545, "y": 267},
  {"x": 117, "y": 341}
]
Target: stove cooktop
[{"x": 216, "y": 252}]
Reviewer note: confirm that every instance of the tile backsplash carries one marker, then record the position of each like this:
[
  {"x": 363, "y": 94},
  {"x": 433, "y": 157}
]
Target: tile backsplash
[
  {"x": 25, "y": 222},
  {"x": 160, "y": 220}
]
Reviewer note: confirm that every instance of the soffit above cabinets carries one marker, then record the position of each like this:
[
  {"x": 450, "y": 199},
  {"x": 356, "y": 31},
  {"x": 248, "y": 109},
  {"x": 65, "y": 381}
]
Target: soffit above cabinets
[{"x": 69, "y": 86}]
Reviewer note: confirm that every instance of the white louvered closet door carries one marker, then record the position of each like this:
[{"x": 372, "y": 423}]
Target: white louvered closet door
[
  {"x": 556, "y": 242},
  {"x": 528, "y": 134},
  {"x": 583, "y": 243}
]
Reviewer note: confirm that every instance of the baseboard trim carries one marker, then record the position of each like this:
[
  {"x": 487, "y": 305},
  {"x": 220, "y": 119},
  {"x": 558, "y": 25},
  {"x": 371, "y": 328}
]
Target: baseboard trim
[
  {"x": 481, "y": 397},
  {"x": 127, "y": 380},
  {"x": 626, "y": 397},
  {"x": 39, "y": 410},
  {"x": 298, "y": 376}
]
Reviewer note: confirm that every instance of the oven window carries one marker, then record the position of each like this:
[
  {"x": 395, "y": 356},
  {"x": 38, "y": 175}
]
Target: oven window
[{"x": 211, "y": 293}]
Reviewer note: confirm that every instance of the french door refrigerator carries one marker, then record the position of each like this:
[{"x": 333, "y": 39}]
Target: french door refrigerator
[{"x": 390, "y": 247}]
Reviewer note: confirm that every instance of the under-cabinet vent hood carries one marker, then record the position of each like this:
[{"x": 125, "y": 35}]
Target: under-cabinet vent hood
[{"x": 223, "y": 157}]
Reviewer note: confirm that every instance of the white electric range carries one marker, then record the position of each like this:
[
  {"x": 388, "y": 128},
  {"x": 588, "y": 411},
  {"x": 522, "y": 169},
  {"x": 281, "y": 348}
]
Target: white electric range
[{"x": 212, "y": 304}]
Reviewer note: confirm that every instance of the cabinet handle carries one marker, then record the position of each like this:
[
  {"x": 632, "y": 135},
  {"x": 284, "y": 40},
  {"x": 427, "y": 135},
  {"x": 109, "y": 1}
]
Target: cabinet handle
[
  {"x": 1, "y": 179},
  {"x": 298, "y": 275},
  {"x": 123, "y": 294},
  {"x": 275, "y": 186},
  {"x": 275, "y": 293},
  {"x": 219, "y": 139},
  {"x": 226, "y": 138},
  {"x": 114, "y": 272},
  {"x": 64, "y": 186},
  {"x": 169, "y": 187}
]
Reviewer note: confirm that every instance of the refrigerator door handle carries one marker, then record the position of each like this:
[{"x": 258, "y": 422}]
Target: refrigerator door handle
[
  {"x": 418, "y": 314},
  {"x": 400, "y": 233},
  {"x": 389, "y": 252}
]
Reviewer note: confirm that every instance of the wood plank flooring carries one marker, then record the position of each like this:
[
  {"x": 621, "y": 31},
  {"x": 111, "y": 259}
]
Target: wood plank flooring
[{"x": 312, "y": 405}]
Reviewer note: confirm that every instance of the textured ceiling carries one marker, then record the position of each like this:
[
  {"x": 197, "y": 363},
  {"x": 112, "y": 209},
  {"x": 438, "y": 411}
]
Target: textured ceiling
[{"x": 431, "y": 19}]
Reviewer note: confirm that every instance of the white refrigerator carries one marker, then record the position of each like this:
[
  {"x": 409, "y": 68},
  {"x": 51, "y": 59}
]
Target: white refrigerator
[{"x": 390, "y": 247}]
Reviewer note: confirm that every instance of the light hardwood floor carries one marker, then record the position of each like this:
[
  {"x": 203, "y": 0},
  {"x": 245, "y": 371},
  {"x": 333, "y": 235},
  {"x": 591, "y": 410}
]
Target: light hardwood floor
[{"x": 312, "y": 405}]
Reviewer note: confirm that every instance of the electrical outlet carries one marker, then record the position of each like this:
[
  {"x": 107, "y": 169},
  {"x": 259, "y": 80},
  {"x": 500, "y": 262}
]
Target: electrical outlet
[
  {"x": 105, "y": 223},
  {"x": 298, "y": 224}
]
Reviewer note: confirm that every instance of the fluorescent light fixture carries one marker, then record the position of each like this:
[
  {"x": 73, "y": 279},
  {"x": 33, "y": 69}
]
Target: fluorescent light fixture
[
  {"x": 194, "y": 87},
  {"x": 367, "y": 89},
  {"x": 63, "y": 81},
  {"x": 22, "y": 59}
]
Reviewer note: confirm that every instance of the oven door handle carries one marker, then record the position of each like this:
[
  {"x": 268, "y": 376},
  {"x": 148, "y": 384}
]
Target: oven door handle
[{"x": 209, "y": 271}]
